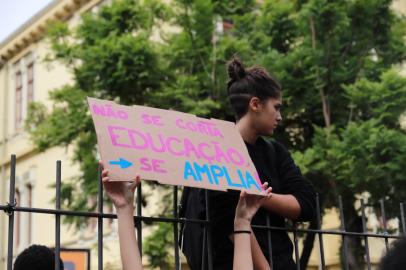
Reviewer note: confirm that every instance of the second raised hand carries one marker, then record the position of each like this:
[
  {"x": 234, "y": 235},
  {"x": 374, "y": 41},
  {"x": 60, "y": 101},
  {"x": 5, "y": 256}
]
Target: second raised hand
[
  {"x": 120, "y": 192},
  {"x": 248, "y": 204}
]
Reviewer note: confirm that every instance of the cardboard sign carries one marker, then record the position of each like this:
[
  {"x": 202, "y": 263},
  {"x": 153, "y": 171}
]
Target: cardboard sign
[{"x": 172, "y": 148}]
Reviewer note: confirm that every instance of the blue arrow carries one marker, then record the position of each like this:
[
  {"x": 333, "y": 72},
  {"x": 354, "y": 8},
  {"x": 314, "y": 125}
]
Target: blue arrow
[{"x": 122, "y": 163}]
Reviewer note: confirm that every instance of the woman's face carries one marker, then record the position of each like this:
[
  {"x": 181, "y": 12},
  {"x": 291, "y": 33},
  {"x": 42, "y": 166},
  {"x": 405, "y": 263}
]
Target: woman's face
[{"x": 267, "y": 115}]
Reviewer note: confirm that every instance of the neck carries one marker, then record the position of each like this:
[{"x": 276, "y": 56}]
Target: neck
[{"x": 247, "y": 131}]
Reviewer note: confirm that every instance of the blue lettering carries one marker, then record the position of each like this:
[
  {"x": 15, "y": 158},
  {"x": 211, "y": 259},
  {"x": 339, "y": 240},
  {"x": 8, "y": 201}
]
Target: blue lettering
[
  {"x": 202, "y": 170},
  {"x": 230, "y": 182},
  {"x": 188, "y": 171},
  {"x": 216, "y": 171},
  {"x": 249, "y": 178}
]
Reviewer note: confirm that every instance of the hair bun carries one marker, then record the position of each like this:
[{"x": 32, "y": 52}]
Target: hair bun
[{"x": 235, "y": 69}]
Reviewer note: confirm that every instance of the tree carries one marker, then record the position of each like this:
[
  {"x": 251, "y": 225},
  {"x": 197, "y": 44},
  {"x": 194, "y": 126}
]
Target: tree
[{"x": 336, "y": 61}]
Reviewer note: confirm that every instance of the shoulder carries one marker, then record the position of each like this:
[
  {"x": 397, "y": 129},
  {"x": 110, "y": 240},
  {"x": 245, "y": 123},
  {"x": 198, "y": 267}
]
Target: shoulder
[{"x": 278, "y": 147}]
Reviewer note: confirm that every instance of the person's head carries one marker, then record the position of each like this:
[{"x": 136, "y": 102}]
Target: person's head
[
  {"x": 36, "y": 257},
  {"x": 254, "y": 95},
  {"x": 395, "y": 258}
]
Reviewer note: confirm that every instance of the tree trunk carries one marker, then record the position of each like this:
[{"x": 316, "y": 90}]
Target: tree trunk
[
  {"x": 323, "y": 95},
  {"x": 355, "y": 251},
  {"x": 308, "y": 245}
]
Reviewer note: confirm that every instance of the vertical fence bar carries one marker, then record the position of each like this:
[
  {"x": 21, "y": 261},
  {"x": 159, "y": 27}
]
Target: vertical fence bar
[
  {"x": 345, "y": 249},
  {"x": 11, "y": 213},
  {"x": 209, "y": 246},
  {"x": 364, "y": 230},
  {"x": 100, "y": 220},
  {"x": 58, "y": 216},
  {"x": 385, "y": 231},
  {"x": 175, "y": 227},
  {"x": 139, "y": 222},
  {"x": 320, "y": 235},
  {"x": 402, "y": 218},
  {"x": 296, "y": 247},
  {"x": 269, "y": 239},
  {"x": 204, "y": 254}
]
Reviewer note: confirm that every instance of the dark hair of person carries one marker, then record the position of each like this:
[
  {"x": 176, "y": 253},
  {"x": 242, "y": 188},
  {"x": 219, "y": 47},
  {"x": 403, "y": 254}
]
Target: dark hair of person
[
  {"x": 36, "y": 257},
  {"x": 244, "y": 84},
  {"x": 395, "y": 258}
]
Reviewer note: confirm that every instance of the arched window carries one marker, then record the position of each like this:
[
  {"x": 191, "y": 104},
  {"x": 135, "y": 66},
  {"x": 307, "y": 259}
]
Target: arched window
[{"x": 18, "y": 99}]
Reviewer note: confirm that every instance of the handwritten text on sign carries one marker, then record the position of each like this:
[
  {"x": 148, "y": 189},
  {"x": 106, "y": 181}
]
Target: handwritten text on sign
[{"x": 172, "y": 147}]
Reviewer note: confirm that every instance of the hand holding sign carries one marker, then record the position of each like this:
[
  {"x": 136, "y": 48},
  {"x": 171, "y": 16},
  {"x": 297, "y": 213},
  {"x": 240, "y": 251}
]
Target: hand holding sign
[
  {"x": 172, "y": 148},
  {"x": 248, "y": 205},
  {"x": 121, "y": 193}
]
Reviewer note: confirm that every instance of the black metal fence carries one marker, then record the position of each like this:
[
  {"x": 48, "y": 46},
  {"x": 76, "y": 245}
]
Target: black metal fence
[{"x": 11, "y": 207}]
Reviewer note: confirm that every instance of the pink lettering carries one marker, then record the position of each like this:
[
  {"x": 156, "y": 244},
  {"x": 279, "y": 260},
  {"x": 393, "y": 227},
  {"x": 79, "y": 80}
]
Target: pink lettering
[
  {"x": 201, "y": 127},
  {"x": 133, "y": 134},
  {"x": 170, "y": 149},
  {"x": 114, "y": 137},
  {"x": 153, "y": 165},
  {"x": 200, "y": 147},
  {"x": 145, "y": 165},
  {"x": 99, "y": 110},
  {"x": 219, "y": 153},
  {"x": 189, "y": 148},
  {"x": 107, "y": 111},
  {"x": 232, "y": 154},
  {"x": 179, "y": 123},
  {"x": 212, "y": 152},
  {"x": 156, "y": 165},
  {"x": 161, "y": 148},
  {"x": 152, "y": 120}
]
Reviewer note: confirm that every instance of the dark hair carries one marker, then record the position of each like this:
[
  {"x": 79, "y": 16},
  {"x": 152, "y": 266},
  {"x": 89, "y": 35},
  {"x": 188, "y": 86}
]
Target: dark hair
[
  {"x": 395, "y": 257},
  {"x": 245, "y": 84},
  {"x": 36, "y": 257}
]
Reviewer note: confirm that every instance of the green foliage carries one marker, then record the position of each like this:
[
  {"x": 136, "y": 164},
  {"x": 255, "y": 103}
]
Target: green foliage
[
  {"x": 157, "y": 246},
  {"x": 363, "y": 156},
  {"x": 383, "y": 100}
]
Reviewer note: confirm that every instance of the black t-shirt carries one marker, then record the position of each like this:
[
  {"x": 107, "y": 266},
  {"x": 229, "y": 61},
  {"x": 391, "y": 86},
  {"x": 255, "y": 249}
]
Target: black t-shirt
[{"x": 285, "y": 178}]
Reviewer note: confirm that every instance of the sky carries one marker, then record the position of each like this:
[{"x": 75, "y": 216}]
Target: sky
[{"x": 14, "y": 13}]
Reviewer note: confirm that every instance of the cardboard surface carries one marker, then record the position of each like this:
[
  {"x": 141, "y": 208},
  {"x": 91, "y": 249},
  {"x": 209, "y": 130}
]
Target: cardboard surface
[{"x": 172, "y": 148}]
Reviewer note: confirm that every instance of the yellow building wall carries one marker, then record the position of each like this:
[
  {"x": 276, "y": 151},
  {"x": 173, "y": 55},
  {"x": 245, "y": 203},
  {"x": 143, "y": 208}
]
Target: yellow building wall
[{"x": 39, "y": 169}]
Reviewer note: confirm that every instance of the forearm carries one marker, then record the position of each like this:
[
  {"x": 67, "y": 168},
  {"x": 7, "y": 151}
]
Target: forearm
[
  {"x": 259, "y": 260},
  {"x": 242, "y": 246},
  {"x": 283, "y": 205},
  {"x": 130, "y": 255}
]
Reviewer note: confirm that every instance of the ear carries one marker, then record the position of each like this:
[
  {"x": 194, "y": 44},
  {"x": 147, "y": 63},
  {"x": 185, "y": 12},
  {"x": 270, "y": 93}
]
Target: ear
[{"x": 255, "y": 104}]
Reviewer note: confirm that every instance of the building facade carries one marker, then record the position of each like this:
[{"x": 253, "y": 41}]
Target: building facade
[{"x": 24, "y": 77}]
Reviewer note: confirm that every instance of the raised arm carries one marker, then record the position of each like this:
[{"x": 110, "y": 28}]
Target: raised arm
[
  {"x": 122, "y": 195},
  {"x": 247, "y": 206}
]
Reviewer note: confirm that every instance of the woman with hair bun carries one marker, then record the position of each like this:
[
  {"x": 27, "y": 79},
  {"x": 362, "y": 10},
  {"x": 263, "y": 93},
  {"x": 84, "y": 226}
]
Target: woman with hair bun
[{"x": 256, "y": 98}]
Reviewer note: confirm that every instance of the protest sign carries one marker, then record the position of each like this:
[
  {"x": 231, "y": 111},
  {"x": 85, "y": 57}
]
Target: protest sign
[{"x": 172, "y": 148}]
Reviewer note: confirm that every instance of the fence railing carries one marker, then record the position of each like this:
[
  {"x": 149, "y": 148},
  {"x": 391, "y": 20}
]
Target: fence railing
[{"x": 11, "y": 207}]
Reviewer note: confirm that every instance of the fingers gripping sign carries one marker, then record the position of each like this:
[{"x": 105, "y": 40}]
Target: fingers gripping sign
[
  {"x": 249, "y": 204},
  {"x": 120, "y": 192}
]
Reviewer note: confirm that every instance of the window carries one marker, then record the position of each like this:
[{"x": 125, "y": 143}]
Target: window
[
  {"x": 30, "y": 83},
  {"x": 18, "y": 99},
  {"x": 24, "y": 72}
]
